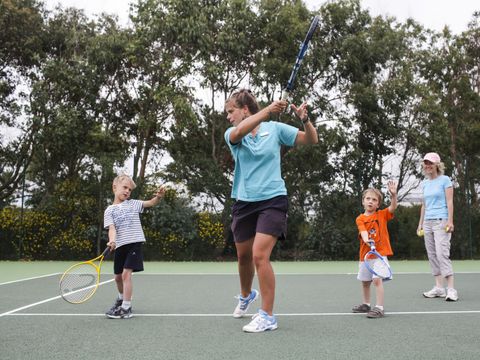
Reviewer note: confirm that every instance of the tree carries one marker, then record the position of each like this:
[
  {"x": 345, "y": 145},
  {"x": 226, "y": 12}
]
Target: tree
[{"x": 21, "y": 48}]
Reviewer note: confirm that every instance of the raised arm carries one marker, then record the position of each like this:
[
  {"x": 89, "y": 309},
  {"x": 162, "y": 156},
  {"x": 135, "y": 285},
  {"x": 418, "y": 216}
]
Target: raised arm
[
  {"x": 156, "y": 199},
  {"x": 392, "y": 188},
  {"x": 251, "y": 122},
  {"x": 309, "y": 135}
]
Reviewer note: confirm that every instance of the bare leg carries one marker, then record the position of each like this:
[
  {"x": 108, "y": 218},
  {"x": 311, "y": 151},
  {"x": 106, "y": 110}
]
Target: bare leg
[
  {"x": 379, "y": 291},
  {"x": 246, "y": 269},
  {"x": 439, "y": 281},
  {"x": 366, "y": 291},
  {"x": 450, "y": 284},
  {"x": 119, "y": 282},
  {"x": 262, "y": 248},
  {"x": 127, "y": 284}
]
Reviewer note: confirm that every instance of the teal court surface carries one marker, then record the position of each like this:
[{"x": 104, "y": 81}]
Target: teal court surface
[{"x": 184, "y": 311}]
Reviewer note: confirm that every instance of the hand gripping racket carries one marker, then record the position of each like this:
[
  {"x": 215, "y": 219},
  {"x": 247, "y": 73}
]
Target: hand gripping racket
[
  {"x": 80, "y": 281},
  {"x": 301, "y": 54},
  {"x": 376, "y": 264}
]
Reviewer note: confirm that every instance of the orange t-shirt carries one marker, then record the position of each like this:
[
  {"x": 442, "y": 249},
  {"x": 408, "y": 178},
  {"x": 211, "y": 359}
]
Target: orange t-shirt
[{"x": 376, "y": 226}]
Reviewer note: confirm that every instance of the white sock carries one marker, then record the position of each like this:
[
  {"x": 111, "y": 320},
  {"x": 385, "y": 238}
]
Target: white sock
[
  {"x": 379, "y": 306},
  {"x": 120, "y": 296},
  {"x": 126, "y": 304},
  {"x": 368, "y": 304}
]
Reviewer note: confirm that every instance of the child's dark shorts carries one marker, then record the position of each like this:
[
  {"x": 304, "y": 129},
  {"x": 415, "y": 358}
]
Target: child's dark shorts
[
  {"x": 128, "y": 256},
  {"x": 266, "y": 217}
]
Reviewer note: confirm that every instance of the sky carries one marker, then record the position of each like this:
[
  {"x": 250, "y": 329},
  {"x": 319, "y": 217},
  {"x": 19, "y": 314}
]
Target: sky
[{"x": 433, "y": 14}]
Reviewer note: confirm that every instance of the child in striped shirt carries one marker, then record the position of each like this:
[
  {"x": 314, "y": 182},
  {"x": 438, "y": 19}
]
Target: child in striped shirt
[{"x": 125, "y": 236}]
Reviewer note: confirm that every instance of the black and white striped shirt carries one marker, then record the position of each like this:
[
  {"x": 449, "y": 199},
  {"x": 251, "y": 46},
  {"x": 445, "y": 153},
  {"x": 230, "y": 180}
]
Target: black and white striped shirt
[{"x": 126, "y": 218}]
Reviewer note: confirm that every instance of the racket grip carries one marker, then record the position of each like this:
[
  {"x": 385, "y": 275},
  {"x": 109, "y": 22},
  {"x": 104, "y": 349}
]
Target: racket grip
[{"x": 286, "y": 97}]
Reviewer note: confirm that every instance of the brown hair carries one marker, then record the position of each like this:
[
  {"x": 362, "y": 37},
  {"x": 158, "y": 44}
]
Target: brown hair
[
  {"x": 376, "y": 192},
  {"x": 244, "y": 97}
]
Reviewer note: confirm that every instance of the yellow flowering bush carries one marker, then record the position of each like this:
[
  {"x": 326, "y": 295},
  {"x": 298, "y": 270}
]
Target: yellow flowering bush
[
  {"x": 210, "y": 231},
  {"x": 164, "y": 247},
  {"x": 40, "y": 236}
]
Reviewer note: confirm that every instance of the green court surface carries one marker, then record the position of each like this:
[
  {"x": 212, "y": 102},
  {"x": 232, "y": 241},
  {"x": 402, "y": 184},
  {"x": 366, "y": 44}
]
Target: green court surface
[{"x": 183, "y": 311}]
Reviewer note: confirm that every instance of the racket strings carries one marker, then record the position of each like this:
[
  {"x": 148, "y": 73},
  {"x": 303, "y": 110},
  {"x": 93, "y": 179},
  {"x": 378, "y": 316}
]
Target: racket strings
[
  {"x": 382, "y": 269},
  {"x": 378, "y": 265},
  {"x": 79, "y": 283}
]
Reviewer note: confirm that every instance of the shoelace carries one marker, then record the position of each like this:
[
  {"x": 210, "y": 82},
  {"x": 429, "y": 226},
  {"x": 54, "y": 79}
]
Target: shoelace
[{"x": 243, "y": 301}]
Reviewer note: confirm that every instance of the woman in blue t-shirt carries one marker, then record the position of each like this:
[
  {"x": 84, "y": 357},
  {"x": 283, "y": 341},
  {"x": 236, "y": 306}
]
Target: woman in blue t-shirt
[
  {"x": 436, "y": 224},
  {"x": 260, "y": 209}
]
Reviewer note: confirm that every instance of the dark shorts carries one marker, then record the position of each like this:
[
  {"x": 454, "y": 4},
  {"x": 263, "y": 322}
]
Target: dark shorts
[
  {"x": 266, "y": 217},
  {"x": 128, "y": 256}
]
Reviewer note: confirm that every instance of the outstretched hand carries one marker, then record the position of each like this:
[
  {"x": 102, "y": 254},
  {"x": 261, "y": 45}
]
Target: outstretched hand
[
  {"x": 300, "y": 111},
  {"x": 161, "y": 192},
  {"x": 392, "y": 187}
]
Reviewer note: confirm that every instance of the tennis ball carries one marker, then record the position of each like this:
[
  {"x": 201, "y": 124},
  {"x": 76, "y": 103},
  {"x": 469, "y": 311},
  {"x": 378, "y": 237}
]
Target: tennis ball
[
  {"x": 447, "y": 228},
  {"x": 420, "y": 232}
]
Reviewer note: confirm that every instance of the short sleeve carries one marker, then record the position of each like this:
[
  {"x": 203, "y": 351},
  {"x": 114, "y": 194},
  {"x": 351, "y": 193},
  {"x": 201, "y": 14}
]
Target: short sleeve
[
  {"x": 226, "y": 136},
  {"x": 107, "y": 217},
  {"x": 447, "y": 183},
  {"x": 286, "y": 134},
  {"x": 137, "y": 205},
  {"x": 360, "y": 224}
]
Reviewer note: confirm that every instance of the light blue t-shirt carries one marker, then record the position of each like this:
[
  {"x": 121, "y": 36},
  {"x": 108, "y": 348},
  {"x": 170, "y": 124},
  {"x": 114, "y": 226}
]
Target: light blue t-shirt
[
  {"x": 257, "y": 173},
  {"x": 434, "y": 197}
]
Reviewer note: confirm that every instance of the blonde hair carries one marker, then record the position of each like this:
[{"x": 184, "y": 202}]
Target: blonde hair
[
  {"x": 375, "y": 191},
  {"x": 122, "y": 177},
  {"x": 440, "y": 168}
]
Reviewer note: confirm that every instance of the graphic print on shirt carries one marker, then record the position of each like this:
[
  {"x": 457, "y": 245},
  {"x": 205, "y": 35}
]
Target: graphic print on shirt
[{"x": 121, "y": 216}]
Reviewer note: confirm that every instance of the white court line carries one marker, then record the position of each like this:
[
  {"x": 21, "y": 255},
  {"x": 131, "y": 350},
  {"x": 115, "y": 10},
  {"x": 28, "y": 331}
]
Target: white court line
[
  {"x": 280, "y": 314},
  {"x": 41, "y": 302},
  {"x": 284, "y": 274},
  {"x": 30, "y": 278}
]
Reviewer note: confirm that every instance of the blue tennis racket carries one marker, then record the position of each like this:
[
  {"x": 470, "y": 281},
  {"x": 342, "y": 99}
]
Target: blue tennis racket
[
  {"x": 376, "y": 264},
  {"x": 301, "y": 54}
]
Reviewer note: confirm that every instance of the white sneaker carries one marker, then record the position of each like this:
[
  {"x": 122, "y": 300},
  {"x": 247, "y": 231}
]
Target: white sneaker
[
  {"x": 452, "y": 295},
  {"x": 435, "y": 292},
  {"x": 244, "y": 303},
  {"x": 261, "y": 321}
]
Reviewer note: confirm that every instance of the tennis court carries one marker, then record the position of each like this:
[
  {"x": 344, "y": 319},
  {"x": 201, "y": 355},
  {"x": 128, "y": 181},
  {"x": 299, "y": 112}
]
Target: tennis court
[{"x": 183, "y": 311}]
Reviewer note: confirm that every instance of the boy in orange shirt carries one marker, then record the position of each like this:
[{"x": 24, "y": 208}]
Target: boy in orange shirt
[{"x": 372, "y": 225}]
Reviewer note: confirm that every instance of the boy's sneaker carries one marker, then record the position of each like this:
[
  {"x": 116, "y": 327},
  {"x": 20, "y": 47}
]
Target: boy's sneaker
[
  {"x": 362, "y": 308},
  {"x": 121, "y": 313},
  {"x": 375, "y": 313},
  {"x": 117, "y": 304},
  {"x": 244, "y": 303},
  {"x": 435, "y": 292},
  {"x": 261, "y": 321},
  {"x": 452, "y": 295}
]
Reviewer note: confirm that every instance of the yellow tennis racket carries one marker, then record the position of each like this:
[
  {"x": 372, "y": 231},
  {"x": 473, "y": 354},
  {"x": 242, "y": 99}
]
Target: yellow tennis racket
[{"x": 80, "y": 281}]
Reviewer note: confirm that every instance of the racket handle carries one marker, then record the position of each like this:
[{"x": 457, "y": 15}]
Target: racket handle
[
  {"x": 286, "y": 97},
  {"x": 372, "y": 245}
]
